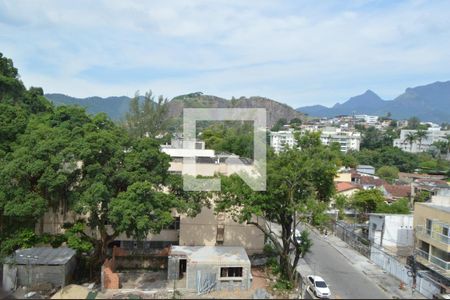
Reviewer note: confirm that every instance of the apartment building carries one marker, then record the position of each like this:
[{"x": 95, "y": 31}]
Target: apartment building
[
  {"x": 192, "y": 158},
  {"x": 347, "y": 139},
  {"x": 281, "y": 139},
  {"x": 420, "y": 145},
  {"x": 432, "y": 232},
  {"x": 369, "y": 120}
]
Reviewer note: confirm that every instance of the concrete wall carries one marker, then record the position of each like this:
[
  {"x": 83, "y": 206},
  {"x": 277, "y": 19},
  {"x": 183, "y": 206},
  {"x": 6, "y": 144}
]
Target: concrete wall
[
  {"x": 32, "y": 275},
  {"x": 202, "y": 231},
  {"x": 193, "y": 271},
  {"x": 398, "y": 230},
  {"x": 343, "y": 177},
  {"x": 9, "y": 277}
]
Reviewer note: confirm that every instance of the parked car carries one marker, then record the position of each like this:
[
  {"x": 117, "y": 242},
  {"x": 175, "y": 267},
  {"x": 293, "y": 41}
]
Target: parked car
[
  {"x": 319, "y": 287},
  {"x": 297, "y": 236}
]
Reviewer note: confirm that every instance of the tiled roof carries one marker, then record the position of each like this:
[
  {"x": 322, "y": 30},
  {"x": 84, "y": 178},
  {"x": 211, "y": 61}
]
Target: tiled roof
[
  {"x": 398, "y": 191},
  {"x": 368, "y": 180},
  {"x": 345, "y": 186}
]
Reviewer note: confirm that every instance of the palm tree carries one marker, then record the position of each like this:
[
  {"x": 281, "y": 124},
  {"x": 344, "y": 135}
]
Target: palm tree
[
  {"x": 410, "y": 139},
  {"x": 420, "y": 136}
]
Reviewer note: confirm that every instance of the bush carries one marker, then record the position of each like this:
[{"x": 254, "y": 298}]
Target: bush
[
  {"x": 269, "y": 250},
  {"x": 283, "y": 284}
]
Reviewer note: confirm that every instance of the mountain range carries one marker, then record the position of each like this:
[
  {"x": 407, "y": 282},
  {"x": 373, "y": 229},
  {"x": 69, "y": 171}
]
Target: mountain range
[
  {"x": 116, "y": 107},
  {"x": 429, "y": 102}
]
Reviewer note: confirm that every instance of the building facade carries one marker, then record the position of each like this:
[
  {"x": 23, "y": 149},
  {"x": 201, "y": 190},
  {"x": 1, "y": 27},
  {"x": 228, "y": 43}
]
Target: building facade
[
  {"x": 420, "y": 145},
  {"x": 432, "y": 228},
  {"x": 347, "y": 139}
]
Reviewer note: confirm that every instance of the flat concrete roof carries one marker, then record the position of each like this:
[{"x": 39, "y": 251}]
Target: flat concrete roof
[
  {"x": 212, "y": 254},
  {"x": 41, "y": 256},
  {"x": 438, "y": 207}
]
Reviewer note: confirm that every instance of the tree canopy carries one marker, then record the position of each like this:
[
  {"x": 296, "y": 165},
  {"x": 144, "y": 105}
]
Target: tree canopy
[{"x": 297, "y": 183}]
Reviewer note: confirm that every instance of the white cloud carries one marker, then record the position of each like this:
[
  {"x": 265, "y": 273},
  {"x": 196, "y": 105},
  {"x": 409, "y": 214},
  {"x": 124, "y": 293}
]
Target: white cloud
[{"x": 300, "y": 53}]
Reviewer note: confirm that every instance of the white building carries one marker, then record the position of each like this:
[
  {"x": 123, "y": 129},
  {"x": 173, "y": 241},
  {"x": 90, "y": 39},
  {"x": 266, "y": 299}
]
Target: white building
[
  {"x": 348, "y": 140},
  {"x": 393, "y": 232},
  {"x": 370, "y": 120},
  {"x": 281, "y": 139},
  {"x": 433, "y": 135}
]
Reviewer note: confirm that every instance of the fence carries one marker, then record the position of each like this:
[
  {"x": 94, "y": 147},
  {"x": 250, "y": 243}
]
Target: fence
[
  {"x": 347, "y": 233},
  {"x": 398, "y": 269}
]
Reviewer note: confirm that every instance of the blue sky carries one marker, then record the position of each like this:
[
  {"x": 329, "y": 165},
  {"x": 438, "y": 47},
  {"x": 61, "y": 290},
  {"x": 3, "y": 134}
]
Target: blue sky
[{"x": 296, "y": 52}]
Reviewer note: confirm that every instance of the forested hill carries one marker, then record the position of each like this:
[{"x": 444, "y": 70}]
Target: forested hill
[{"x": 116, "y": 107}]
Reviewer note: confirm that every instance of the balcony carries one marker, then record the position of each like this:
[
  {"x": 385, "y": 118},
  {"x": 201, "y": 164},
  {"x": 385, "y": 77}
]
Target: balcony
[
  {"x": 433, "y": 262},
  {"x": 435, "y": 238}
]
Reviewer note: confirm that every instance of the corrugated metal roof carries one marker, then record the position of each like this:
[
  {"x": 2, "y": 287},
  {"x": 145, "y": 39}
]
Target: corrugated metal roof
[{"x": 42, "y": 256}]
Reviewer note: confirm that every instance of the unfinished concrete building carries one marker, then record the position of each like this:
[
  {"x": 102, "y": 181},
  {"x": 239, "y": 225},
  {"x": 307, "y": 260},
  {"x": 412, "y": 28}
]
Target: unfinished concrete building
[{"x": 208, "y": 268}]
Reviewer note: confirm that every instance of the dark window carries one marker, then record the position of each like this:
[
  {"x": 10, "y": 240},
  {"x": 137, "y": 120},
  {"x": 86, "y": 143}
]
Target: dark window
[
  {"x": 220, "y": 233},
  {"x": 175, "y": 224},
  {"x": 231, "y": 272},
  {"x": 312, "y": 280},
  {"x": 429, "y": 222}
]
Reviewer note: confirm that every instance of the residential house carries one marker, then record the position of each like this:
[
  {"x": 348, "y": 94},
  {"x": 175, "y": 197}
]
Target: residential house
[
  {"x": 410, "y": 177},
  {"x": 365, "y": 169},
  {"x": 394, "y": 192}
]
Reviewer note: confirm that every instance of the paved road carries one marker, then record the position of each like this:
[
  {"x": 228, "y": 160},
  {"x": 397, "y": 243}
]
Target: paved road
[{"x": 344, "y": 280}]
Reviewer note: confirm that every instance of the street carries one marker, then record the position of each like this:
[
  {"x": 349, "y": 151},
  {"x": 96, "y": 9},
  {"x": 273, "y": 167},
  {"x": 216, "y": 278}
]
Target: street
[{"x": 344, "y": 280}]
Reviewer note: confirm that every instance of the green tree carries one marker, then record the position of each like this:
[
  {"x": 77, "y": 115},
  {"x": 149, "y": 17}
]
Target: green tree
[
  {"x": 294, "y": 178},
  {"x": 367, "y": 201},
  {"x": 279, "y": 124},
  {"x": 305, "y": 244},
  {"x": 400, "y": 206},
  {"x": 341, "y": 202},
  {"x": 388, "y": 173},
  {"x": 422, "y": 196},
  {"x": 413, "y": 123},
  {"x": 410, "y": 138},
  {"x": 420, "y": 136},
  {"x": 233, "y": 137},
  {"x": 148, "y": 117}
]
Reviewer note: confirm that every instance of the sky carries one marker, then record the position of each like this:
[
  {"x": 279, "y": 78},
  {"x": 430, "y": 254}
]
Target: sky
[{"x": 296, "y": 52}]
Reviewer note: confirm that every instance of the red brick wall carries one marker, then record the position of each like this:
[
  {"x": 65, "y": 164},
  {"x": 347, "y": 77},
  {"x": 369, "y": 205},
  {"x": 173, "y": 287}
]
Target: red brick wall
[{"x": 110, "y": 279}]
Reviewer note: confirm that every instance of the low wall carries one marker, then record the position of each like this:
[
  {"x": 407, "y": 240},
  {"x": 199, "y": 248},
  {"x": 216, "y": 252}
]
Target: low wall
[{"x": 110, "y": 280}]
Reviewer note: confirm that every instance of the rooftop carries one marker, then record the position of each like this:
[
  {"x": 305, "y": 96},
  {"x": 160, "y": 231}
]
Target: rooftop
[
  {"x": 42, "y": 256},
  {"x": 345, "y": 186},
  {"x": 398, "y": 190},
  {"x": 437, "y": 206},
  {"x": 211, "y": 254}
]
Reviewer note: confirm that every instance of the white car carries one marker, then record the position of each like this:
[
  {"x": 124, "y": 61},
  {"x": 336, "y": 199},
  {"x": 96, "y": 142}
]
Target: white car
[
  {"x": 319, "y": 287},
  {"x": 297, "y": 236}
]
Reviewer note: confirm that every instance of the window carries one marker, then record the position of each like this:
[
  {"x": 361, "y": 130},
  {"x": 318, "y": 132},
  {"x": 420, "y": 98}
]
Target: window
[
  {"x": 231, "y": 272},
  {"x": 175, "y": 225},
  {"x": 429, "y": 222},
  {"x": 220, "y": 233}
]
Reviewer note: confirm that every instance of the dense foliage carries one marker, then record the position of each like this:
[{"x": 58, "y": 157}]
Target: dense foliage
[
  {"x": 299, "y": 185},
  {"x": 86, "y": 168},
  {"x": 232, "y": 137}
]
